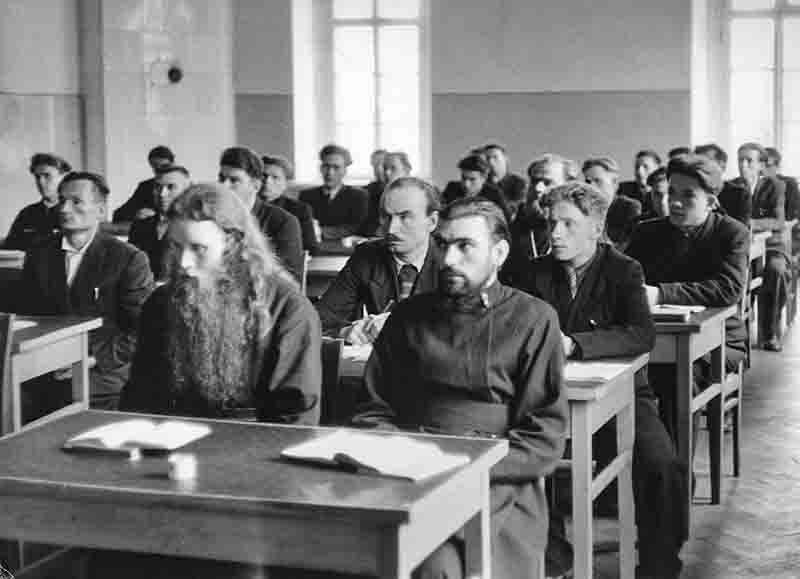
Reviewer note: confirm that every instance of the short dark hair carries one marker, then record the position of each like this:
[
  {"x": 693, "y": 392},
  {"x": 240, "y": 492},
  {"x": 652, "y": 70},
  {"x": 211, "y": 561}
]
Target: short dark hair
[
  {"x": 161, "y": 152},
  {"x": 586, "y": 197},
  {"x": 279, "y": 161},
  {"x": 706, "y": 171},
  {"x": 474, "y": 163},
  {"x": 98, "y": 182},
  {"x": 675, "y": 151},
  {"x": 621, "y": 218},
  {"x": 494, "y": 145},
  {"x": 432, "y": 196},
  {"x": 752, "y": 146},
  {"x": 479, "y": 207},
  {"x": 243, "y": 158},
  {"x": 50, "y": 160},
  {"x": 657, "y": 176},
  {"x": 173, "y": 169},
  {"x": 649, "y": 153},
  {"x": 712, "y": 151},
  {"x": 774, "y": 154},
  {"x": 334, "y": 149}
]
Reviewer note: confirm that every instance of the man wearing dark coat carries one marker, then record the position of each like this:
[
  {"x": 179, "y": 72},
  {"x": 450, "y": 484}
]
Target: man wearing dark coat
[
  {"x": 604, "y": 313},
  {"x": 359, "y": 300},
  {"x": 479, "y": 358},
  {"x": 475, "y": 181},
  {"x": 85, "y": 272},
  {"x": 142, "y": 203}
]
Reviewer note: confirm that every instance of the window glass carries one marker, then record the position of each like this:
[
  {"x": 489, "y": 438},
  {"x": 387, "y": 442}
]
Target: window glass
[
  {"x": 352, "y": 9},
  {"x": 398, "y": 8}
]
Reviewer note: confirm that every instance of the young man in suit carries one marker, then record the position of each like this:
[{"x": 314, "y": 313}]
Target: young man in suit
[
  {"x": 475, "y": 170},
  {"x": 39, "y": 221},
  {"x": 645, "y": 162},
  {"x": 149, "y": 234},
  {"x": 85, "y": 272},
  {"x": 277, "y": 173},
  {"x": 340, "y": 209},
  {"x": 478, "y": 358},
  {"x": 142, "y": 203},
  {"x": 381, "y": 273},
  {"x": 602, "y": 308},
  {"x": 242, "y": 172},
  {"x": 512, "y": 185}
]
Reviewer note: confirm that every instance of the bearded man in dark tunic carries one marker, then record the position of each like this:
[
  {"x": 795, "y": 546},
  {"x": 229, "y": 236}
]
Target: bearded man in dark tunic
[{"x": 477, "y": 358}]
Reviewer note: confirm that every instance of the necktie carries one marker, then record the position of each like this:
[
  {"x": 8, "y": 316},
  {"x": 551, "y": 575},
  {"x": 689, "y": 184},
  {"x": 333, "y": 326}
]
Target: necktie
[
  {"x": 405, "y": 280},
  {"x": 572, "y": 279}
]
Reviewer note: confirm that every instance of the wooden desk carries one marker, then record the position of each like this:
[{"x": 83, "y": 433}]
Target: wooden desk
[
  {"x": 758, "y": 245},
  {"x": 681, "y": 343},
  {"x": 55, "y": 342},
  {"x": 245, "y": 504},
  {"x": 326, "y": 265}
]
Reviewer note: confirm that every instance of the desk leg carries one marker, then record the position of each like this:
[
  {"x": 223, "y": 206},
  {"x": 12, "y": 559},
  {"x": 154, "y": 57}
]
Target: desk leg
[
  {"x": 477, "y": 538},
  {"x": 393, "y": 563},
  {"x": 582, "y": 539},
  {"x": 12, "y": 402},
  {"x": 627, "y": 518},
  {"x": 683, "y": 402},
  {"x": 80, "y": 374},
  {"x": 716, "y": 420}
]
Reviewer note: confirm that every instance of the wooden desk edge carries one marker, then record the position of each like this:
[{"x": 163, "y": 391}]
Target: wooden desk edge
[
  {"x": 594, "y": 390},
  {"x": 21, "y": 344}
]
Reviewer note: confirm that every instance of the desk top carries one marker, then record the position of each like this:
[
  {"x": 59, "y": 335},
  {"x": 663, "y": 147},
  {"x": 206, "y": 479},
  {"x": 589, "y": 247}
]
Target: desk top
[
  {"x": 327, "y": 264},
  {"x": 238, "y": 469},
  {"x": 697, "y": 322},
  {"x": 50, "y": 329},
  {"x": 592, "y": 380}
]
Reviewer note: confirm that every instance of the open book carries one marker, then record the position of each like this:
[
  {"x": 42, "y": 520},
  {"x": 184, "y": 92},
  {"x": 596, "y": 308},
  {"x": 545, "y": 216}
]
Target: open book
[
  {"x": 138, "y": 434},
  {"x": 674, "y": 312},
  {"x": 394, "y": 456}
]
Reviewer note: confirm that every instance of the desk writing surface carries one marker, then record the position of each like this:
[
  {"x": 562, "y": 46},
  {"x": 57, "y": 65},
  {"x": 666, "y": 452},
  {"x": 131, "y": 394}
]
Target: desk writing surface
[
  {"x": 50, "y": 329},
  {"x": 696, "y": 321},
  {"x": 238, "y": 468},
  {"x": 588, "y": 380}
]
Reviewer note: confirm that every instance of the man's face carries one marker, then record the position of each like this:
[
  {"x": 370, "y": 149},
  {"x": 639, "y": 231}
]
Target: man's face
[
  {"x": 470, "y": 256},
  {"x": 240, "y": 183},
  {"x": 275, "y": 181},
  {"x": 157, "y": 163},
  {"x": 604, "y": 180},
  {"x": 79, "y": 207},
  {"x": 498, "y": 162},
  {"x": 750, "y": 165},
  {"x": 660, "y": 197},
  {"x": 393, "y": 169},
  {"x": 168, "y": 186},
  {"x": 376, "y": 160},
  {"x": 405, "y": 221},
  {"x": 573, "y": 235},
  {"x": 771, "y": 167},
  {"x": 542, "y": 179},
  {"x": 333, "y": 169},
  {"x": 47, "y": 179},
  {"x": 688, "y": 202},
  {"x": 199, "y": 247},
  {"x": 643, "y": 166},
  {"x": 472, "y": 182}
]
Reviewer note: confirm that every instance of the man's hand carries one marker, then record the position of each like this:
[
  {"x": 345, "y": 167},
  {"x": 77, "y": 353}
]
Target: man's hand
[
  {"x": 374, "y": 325},
  {"x": 653, "y": 295},
  {"x": 144, "y": 213},
  {"x": 354, "y": 333},
  {"x": 568, "y": 344}
]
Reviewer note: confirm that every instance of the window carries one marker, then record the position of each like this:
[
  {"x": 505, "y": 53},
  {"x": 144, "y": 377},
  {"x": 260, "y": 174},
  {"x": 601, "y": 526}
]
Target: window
[
  {"x": 371, "y": 87},
  {"x": 764, "y": 76}
]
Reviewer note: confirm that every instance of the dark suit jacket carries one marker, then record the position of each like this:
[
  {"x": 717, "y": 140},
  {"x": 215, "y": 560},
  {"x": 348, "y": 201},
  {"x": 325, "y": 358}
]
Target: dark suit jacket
[
  {"x": 341, "y": 217},
  {"x": 303, "y": 213},
  {"x": 33, "y": 225},
  {"x": 371, "y": 224},
  {"x": 282, "y": 230},
  {"x": 768, "y": 202},
  {"x": 735, "y": 201},
  {"x": 529, "y": 220},
  {"x": 113, "y": 281},
  {"x": 609, "y": 315},
  {"x": 633, "y": 190},
  {"x": 144, "y": 235},
  {"x": 370, "y": 279},
  {"x": 454, "y": 191},
  {"x": 707, "y": 268},
  {"x": 513, "y": 187},
  {"x": 143, "y": 197}
]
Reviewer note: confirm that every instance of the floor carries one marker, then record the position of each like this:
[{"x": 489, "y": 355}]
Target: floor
[{"x": 755, "y": 532}]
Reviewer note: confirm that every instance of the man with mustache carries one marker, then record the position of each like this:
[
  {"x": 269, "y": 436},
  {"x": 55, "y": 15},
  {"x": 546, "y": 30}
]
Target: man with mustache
[
  {"x": 477, "y": 358},
  {"x": 229, "y": 335},
  {"x": 382, "y": 273}
]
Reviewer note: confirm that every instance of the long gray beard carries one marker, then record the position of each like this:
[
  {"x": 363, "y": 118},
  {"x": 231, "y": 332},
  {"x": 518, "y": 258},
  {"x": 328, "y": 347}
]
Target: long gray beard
[{"x": 211, "y": 342}]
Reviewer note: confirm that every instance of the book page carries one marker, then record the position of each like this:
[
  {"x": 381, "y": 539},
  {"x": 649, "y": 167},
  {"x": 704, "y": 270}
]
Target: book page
[
  {"x": 678, "y": 308},
  {"x": 593, "y": 371},
  {"x": 139, "y": 433}
]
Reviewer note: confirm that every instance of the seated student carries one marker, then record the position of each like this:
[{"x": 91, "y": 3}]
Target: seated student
[
  {"x": 734, "y": 199},
  {"x": 395, "y": 165},
  {"x": 230, "y": 330},
  {"x": 339, "y": 209},
  {"x": 644, "y": 164},
  {"x": 658, "y": 195},
  {"x": 768, "y": 211},
  {"x": 479, "y": 358},
  {"x": 241, "y": 171},
  {"x": 277, "y": 173},
  {"x": 374, "y": 189},
  {"x": 382, "y": 273},
  {"x": 622, "y": 218},
  {"x": 772, "y": 169},
  {"x": 85, "y": 272},
  {"x": 474, "y": 181},
  {"x": 602, "y": 307},
  {"x": 149, "y": 234},
  {"x": 678, "y": 151},
  {"x": 529, "y": 235},
  {"x": 38, "y": 222},
  {"x": 603, "y": 173},
  {"x": 510, "y": 184},
  {"x": 142, "y": 203},
  {"x": 693, "y": 257}
]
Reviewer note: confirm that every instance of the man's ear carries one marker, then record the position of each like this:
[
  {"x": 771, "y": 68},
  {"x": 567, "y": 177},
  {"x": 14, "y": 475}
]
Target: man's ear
[
  {"x": 433, "y": 221},
  {"x": 500, "y": 252}
]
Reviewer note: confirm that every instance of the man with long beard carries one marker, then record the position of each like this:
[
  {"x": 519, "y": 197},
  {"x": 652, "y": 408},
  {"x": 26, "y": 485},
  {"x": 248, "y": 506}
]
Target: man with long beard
[
  {"x": 478, "y": 358},
  {"x": 229, "y": 335}
]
